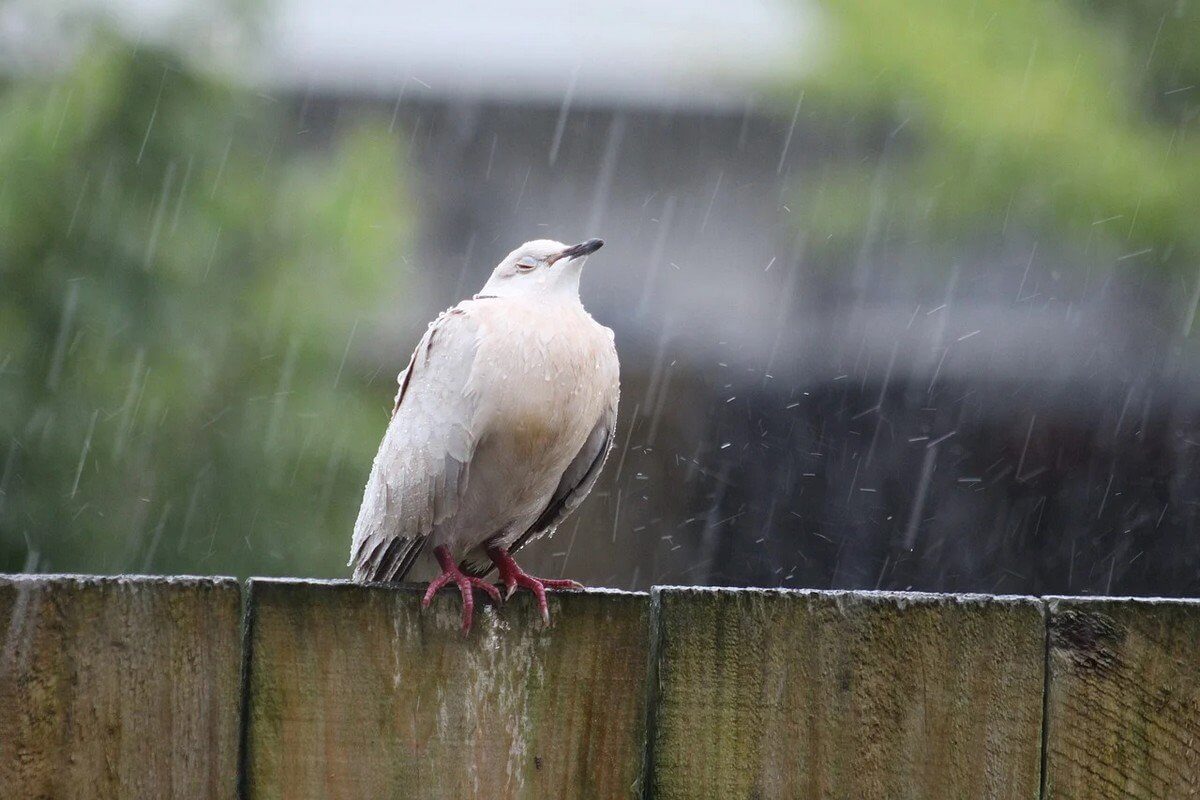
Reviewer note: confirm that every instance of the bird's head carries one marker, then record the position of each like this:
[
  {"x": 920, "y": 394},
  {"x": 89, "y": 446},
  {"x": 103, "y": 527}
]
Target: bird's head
[{"x": 540, "y": 267}]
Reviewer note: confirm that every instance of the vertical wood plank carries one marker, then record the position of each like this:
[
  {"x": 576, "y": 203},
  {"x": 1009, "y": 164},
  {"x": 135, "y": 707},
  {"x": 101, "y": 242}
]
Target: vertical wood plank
[
  {"x": 119, "y": 687},
  {"x": 355, "y": 692},
  {"x": 1123, "y": 706},
  {"x": 779, "y": 694}
]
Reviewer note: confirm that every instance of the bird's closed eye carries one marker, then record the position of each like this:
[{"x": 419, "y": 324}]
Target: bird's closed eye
[{"x": 527, "y": 262}]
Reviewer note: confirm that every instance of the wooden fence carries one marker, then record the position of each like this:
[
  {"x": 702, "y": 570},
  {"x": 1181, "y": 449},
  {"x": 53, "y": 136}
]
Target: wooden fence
[{"x": 200, "y": 688}]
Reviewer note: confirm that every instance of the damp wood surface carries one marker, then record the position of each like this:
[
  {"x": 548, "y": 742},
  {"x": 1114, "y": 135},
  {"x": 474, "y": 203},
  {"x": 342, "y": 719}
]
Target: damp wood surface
[
  {"x": 119, "y": 687},
  {"x": 765, "y": 694},
  {"x": 1123, "y": 706},
  {"x": 354, "y": 691},
  {"x": 134, "y": 688}
]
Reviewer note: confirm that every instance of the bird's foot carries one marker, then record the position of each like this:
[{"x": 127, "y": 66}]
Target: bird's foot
[
  {"x": 512, "y": 576},
  {"x": 465, "y": 583}
]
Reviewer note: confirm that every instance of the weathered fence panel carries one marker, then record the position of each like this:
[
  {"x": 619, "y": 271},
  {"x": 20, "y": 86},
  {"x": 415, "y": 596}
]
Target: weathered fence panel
[
  {"x": 354, "y": 692},
  {"x": 134, "y": 688},
  {"x": 1123, "y": 700},
  {"x": 767, "y": 694},
  {"x": 119, "y": 687}
]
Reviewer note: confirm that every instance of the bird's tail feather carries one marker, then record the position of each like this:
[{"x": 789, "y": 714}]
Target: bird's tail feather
[{"x": 385, "y": 559}]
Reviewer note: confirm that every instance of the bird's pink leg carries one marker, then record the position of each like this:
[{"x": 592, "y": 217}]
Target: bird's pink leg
[
  {"x": 513, "y": 576},
  {"x": 452, "y": 574}
]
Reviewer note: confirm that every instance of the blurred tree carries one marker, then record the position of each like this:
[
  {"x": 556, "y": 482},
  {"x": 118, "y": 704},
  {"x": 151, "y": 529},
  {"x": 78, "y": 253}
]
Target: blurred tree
[
  {"x": 1014, "y": 115},
  {"x": 176, "y": 297}
]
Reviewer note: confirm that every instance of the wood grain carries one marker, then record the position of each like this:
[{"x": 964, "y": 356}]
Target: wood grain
[
  {"x": 119, "y": 687},
  {"x": 1123, "y": 706},
  {"x": 773, "y": 694},
  {"x": 355, "y": 692}
]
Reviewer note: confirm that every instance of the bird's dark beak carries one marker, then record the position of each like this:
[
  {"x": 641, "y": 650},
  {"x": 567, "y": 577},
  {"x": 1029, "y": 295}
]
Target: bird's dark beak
[{"x": 581, "y": 249}]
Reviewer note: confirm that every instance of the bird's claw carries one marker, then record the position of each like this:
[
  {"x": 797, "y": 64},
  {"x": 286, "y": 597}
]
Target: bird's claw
[
  {"x": 512, "y": 576},
  {"x": 465, "y": 583},
  {"x": 512, "y": 582}
]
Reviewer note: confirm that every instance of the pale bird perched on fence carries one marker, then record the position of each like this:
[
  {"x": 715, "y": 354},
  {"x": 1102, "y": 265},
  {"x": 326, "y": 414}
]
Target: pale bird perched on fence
[{"x": 503, "y": 420}]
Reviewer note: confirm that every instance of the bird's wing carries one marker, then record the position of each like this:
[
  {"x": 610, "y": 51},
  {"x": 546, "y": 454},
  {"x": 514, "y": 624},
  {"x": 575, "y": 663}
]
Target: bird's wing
[
  {"x": 576, "y": 482},
  {"x": 420, "y": 471}
]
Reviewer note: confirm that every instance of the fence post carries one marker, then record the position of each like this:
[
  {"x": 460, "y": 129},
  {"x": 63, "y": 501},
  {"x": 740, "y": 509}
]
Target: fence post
[
  {"x": 119, "y": 687},
  {"x": 1123, "y": 701},
  {"x": 781, "y": 694},
  {"x": 355, "y": 692}
]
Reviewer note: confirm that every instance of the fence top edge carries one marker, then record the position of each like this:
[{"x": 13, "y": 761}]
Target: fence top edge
[
  {"x": 1054, "y": 600},
  {"x": 21, "y": 578},
  {"x": 842, "y": 595},
  {"x": 414, "y": 588},
  {"x": 224, "y": 581}
]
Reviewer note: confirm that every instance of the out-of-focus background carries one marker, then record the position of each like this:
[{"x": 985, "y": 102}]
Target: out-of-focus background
[{"x": 904, "y": 291}]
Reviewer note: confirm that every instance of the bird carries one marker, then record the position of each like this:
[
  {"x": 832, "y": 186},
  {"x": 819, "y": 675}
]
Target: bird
[{"x": 500, "y": 427}]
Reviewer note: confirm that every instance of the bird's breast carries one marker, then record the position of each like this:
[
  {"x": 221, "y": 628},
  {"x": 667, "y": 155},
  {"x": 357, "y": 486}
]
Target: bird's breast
[{"x": 546, "y": 378}]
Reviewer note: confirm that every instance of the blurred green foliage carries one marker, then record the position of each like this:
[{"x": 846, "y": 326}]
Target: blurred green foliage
[
  {"x": 177, "y": 290},
  {"x": 1072, "y": 118}
]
